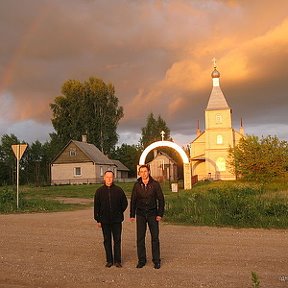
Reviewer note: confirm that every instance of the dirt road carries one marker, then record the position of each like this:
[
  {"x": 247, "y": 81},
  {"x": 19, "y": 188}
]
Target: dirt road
[{"x": 65, "y": 249}]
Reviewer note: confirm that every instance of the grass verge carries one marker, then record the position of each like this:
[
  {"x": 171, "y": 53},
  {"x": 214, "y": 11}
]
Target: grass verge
[{"x": 233, "y": 204}]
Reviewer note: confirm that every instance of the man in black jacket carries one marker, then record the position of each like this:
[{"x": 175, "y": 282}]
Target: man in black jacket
[
  {"x": 147, "y": 202},
  {"x": 110, "y": 202}
]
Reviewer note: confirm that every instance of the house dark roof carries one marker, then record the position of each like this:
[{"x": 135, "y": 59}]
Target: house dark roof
[
  {"x": 120, "y": 166},
  {"x": 93, "y": 153}
]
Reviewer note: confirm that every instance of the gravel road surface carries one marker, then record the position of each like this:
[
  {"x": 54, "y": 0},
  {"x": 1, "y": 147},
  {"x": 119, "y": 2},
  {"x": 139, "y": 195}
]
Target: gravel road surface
[{"x": 65, "y": 249}]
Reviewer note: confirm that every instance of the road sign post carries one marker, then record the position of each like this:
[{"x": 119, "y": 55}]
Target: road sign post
[{"x": 18, "y": 150}]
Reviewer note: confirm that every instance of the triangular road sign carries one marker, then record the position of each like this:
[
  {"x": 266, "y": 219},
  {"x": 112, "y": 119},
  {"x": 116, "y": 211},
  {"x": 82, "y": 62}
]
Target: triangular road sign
[{"x": 19, "y": 149}]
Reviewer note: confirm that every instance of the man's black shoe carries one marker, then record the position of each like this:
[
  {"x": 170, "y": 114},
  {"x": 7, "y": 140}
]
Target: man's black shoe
[
  {"x": 109, "y": 264},
  {"x": 140, "y": 265},
  {"x": 118, "y": 265},
  {"x": 157, "y": 266}
]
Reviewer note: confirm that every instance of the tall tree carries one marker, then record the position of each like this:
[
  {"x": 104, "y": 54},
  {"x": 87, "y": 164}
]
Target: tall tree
[
  {"x": 34, "y": 164},
  {"x": 259, "y": 159},
  {"x": 5, "y": 171},
  {"x": 89, "y": 108},
  {"x": 152, "y": 131}
]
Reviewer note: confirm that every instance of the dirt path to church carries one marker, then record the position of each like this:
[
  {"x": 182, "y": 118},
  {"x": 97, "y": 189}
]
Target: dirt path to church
[{"x": 65, "y": 250}]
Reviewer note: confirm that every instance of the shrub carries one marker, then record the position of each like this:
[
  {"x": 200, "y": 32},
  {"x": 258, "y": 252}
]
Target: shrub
[{"x": 8, "y": 200}]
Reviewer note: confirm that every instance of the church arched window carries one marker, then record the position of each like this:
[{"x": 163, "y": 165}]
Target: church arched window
[
  {"x": 219, "y": 139},
  {"x": 221, "y": 164}
]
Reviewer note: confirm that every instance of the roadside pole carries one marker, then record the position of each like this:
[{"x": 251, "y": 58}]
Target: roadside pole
[{"x": 18, "y": 150}]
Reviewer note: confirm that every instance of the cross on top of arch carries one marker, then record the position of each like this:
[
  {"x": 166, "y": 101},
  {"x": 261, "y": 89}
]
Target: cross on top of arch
[{"x": 162, "y": 135}]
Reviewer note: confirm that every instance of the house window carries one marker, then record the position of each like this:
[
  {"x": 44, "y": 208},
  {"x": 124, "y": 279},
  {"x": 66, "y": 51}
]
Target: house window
[
  {"x": 219, "y": 139},
  {"x": 72, "y": 152},
  {"x": 221, "y": 164},
  {"x": 101, "y": 171},
  {"x": 218, "y": 118},
  {"x": 77, "y": 171}
]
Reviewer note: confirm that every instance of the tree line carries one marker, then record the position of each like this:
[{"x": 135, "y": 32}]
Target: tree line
[{"x": 35, "y": 163}]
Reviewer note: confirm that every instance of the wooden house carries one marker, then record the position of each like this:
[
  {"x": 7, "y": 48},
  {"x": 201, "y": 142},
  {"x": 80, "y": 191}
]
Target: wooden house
[
  {"x": 163, "y": 167},
  {"x": 81, "y": 162}
]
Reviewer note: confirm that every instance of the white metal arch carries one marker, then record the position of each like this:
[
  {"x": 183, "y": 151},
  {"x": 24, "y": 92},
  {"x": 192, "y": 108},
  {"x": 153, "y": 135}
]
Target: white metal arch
[
  {"x": 185, "y": 159},
  {"x": 163, "y": 144}
]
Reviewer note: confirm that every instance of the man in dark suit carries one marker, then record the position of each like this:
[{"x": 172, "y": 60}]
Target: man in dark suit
[
  {"x": 110, "y": 202},
  {"x": 147, "y": 202}
]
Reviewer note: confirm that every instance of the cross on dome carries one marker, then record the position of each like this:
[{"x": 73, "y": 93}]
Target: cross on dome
[
  {"x": 215, "y": 73},
  {"x": 214, "y": 62}
]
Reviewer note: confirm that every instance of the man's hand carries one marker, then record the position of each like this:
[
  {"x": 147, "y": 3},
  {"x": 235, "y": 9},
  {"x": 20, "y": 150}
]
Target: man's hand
[
  {"x": 132, "y": 219},
  {"x": 158, "y": 218},
  {"x": 98, "y": 224}
]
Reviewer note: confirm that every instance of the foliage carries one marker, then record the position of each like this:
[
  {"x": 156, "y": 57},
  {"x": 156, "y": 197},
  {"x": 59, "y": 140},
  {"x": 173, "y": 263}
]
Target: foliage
[
  {"x": 151, "y": 132},
  {"x": 52, "y": 147},
  {"x": 129, "y": 155},
  {"x": 255, "y": 280},
  {"x": 34, "y": 164},
  {"x": 7, "y": 159},
  {"x": 34, "y": 169},
  {"x": 259, "y": 159},
  {"x": 6, "y": 172},
  {"x": 88, "y": 108},
  {"x": 229, "y": 204},
  {"x": 7, "y": 200}
]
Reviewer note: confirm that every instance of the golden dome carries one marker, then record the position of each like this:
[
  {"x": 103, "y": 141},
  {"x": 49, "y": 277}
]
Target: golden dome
[{"x": 215, "y": 74}]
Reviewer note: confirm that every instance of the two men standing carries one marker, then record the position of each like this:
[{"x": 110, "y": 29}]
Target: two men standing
[{"x": 147, "y": 203}]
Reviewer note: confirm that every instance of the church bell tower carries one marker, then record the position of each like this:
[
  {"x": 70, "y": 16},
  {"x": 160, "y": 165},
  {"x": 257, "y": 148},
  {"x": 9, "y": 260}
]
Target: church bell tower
[{"x": 219, "y": 132}]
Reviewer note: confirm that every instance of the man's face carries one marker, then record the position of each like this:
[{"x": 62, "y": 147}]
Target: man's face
[
  {"x": 108, "y": 178},
  {"x": 144, "y": 173}
]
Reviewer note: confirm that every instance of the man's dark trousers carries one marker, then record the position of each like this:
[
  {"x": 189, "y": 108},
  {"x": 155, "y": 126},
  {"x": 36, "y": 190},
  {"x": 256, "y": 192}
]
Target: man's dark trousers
[
  {"x": 141, "y": 222},
  {"x": 114, "y": 230}
]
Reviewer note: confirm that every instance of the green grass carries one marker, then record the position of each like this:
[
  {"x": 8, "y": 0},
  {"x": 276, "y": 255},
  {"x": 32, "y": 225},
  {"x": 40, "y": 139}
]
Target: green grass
[
  {"x": 76, "y": 191},
  {"x": 69, "y": 191},
  {"x": 44, "y": 199},
  {"x": 8, "y": 203},
  {"x": 234, "y": 204}
]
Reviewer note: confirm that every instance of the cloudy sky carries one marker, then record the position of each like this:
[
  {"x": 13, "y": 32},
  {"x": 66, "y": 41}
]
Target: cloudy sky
[{"x": 157, "y": 54}]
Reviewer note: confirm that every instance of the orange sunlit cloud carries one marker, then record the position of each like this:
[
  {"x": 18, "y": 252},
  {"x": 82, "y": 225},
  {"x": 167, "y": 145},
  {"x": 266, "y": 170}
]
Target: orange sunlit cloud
[{"x": 157, "y": 54}]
